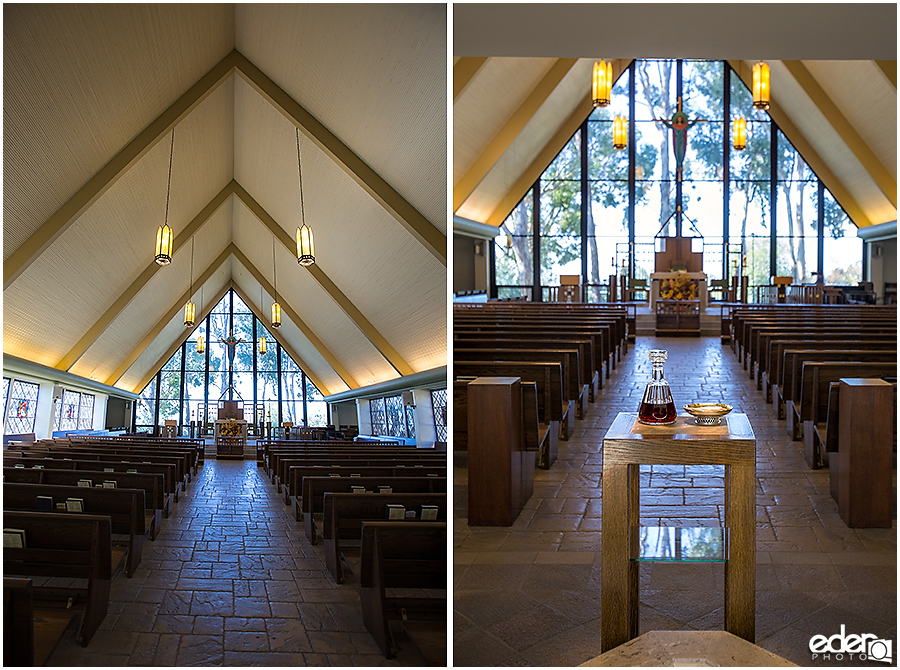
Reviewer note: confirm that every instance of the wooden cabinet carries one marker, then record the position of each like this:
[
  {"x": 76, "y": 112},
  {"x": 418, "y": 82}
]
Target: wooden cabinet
[{"x": 678, "y": 317}]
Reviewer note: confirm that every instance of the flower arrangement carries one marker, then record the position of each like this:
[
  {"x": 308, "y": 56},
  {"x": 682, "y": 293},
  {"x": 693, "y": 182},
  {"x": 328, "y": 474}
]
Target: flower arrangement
[
  {"x": 230, "y": 429},
  {"x": 678, "y": 288}
]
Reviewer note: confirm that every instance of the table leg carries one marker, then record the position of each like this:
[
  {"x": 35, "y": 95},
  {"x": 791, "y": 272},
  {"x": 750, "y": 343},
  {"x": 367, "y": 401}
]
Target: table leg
[
  {"x": 740, "y": 566},
  {"x": 618, "y": 573}
]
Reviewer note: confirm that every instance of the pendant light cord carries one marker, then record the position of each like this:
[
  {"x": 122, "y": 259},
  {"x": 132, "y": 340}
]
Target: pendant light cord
[
  {"x": 274, "y": 271},
  {"x": 169, "y": 183},
  {"x": 192, "y": 267},
  {"x": 300, "y": 175}
]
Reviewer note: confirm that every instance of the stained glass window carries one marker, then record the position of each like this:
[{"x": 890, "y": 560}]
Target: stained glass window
[
  {"x": 439, "y": 408},
  {"x": 377, "y": 416},
  {"x": 21, "y": 407},
  {"x": 396, "y": 422}
]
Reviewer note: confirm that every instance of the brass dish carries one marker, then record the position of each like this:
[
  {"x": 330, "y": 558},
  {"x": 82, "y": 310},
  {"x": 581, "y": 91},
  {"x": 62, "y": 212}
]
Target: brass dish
[{"x": 707, "y": 413}]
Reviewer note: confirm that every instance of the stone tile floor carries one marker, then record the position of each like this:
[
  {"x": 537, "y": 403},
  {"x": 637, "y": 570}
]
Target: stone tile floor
[
  {"x": 530, "y": 594},
  {"x": 231, "y": 580}
]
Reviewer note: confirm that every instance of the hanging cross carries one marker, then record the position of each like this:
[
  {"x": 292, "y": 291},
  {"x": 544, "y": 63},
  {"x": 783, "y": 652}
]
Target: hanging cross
[
  {"x": 231, "y": 343},
  {"x": 679, "y": 125}
]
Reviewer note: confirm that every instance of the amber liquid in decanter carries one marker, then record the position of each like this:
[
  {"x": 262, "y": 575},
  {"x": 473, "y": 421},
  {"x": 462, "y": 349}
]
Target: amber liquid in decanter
[{"x": 657, "y": 406}]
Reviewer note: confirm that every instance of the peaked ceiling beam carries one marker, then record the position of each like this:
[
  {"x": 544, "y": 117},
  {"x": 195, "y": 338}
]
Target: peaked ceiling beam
[
  {"x": 844, "y": 129},
  {"x": 279, "y": 338},
  {"x": 110, "y": 173},
  {"x": 204, "y": 311},
  {"x": 295, "y": 318},
  {"x": 360, "y": 321},
  {"x": 525, "y": 181},
  {"x": 128, "y": 295},
  {"x": 812, "y": 158},
  {"x": 154, "y": 331},
  {"x": 370, "y": 181},
  {"x": 464, "y": 72},
  {"x": 889, "y": 68},
  {"x": 507, "y": 135}
]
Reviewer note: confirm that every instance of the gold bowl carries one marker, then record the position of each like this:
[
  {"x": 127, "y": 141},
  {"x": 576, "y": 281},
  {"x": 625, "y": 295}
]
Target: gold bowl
[{"x": 707, "y": 413}]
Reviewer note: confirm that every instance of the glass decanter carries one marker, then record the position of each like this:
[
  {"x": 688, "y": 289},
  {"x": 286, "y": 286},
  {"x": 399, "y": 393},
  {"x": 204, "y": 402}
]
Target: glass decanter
[{"x": 657, "y": 405}]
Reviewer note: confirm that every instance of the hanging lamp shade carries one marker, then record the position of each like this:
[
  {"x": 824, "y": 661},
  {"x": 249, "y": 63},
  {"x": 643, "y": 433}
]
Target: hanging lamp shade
[
  {"x": 761, "y": 86},
  {"x": 276, "y": 315},
  {"x": 262, "y": 344},
  {"x": 740, "y": 133},
  {"x": 601, "y": 83},
  {"x": 201, "y": 344},
  {"x": 306, "y": 254},
  {"x": 164, "y": 239},
  {"x": 190, "y": 311},
  {"x": 620, "y": 132}
]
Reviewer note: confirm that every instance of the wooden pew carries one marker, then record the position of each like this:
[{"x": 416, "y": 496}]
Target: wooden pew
[
  {"x": 547, "y": 377},
  {"x": 285, "y": 464},
  {"x": 18, "y": 623},
  {"x": 530, "y": 429},
  {"x": 398, "y": 556},
  {"x": 344, "y": 514},
  {"x": 150, "y": 483},
  {"x": 124, "y": 507},
  {"x": 315, "y": 488},
  {"x": 816, "y": 378},
  {"x": 298, "y": 472},
  {"x": 278, "y": 460},
  {"x": 76, "y": 546}
]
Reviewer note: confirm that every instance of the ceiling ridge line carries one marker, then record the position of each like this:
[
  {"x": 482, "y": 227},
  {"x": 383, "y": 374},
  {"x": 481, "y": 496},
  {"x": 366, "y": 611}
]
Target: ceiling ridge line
[
  {"x": 361, "y": 172},
  {"x": 374, "y": 336},
  {"x": 112, "y": 171},
  {"x": 125, "y": 298},
  {"x": 299, "y": 360},
  {"x": 156, "y": 329},
  {"x": 308, "y": 332}
]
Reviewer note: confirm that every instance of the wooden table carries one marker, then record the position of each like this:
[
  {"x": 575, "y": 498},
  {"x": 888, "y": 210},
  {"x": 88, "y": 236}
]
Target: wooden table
[{"x": 628, "y": 445}]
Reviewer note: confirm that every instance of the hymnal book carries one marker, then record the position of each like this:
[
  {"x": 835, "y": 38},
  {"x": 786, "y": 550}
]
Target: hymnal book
[
  {"x": 109, "y": 484},
  {"x": 132, "y": 470},
  {"x": 355, "y": 475},
  {"x": 385, "y": 489},
  {"x": 43, "y": 503},
  {"x": 19, "y": 465},
  {"x": 85, "y": 482},
  {"x": 431, "y": 474},
  {"x": 334, "y": 475},
  {"x": 37, "y": 467},
  {"x": 74, "y": 505},
  {"x": 357, "y": 489},
  {"x": 109, "y": 469},
  {"x": 61, "y": 506},
  {"x": 13, "y": 538},
  {"x": 428, "y": 512},
  {"x": 410, "y": 514},
  {"x": 395, "y": 512}
]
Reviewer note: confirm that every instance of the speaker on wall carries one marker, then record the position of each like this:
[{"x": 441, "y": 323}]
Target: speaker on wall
[
  {"x": 409, "y": 400},
  {"x": 57, "y": 393}
]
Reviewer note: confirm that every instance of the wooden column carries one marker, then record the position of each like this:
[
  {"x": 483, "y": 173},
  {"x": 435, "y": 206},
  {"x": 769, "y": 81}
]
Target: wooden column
[
  {"x": 865, "y": 446},
  {"x": 501, "y": 472}
]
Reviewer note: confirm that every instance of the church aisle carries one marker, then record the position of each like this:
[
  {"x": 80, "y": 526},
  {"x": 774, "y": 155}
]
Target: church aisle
[
  {"x": 530, "y": 594},
  {"x": 231, "y": 580}
]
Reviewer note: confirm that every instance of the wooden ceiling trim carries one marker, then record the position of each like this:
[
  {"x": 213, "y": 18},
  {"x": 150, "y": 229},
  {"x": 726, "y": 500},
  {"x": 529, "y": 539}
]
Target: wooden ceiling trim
[
  {"x": 550, "y": 151},
  {"x": 293, "y": 316},
  {"x": 360, "y": 321},
  {"x": 369, "y": 180},
  {"x": 128, "y": 295},
  {"x": 168, "y": 316},
  {"x": 204, "y": 311},
  {"x": 516, "y": 123},
  {"x": 844, "y": 129},
  {"x": 464, "y": 72},
  {"x": 279, "y": 337},
  {"x": 889, "y": 68},
  {"x": 812, "y": 158},
  {"x": 53, "y": 227}
]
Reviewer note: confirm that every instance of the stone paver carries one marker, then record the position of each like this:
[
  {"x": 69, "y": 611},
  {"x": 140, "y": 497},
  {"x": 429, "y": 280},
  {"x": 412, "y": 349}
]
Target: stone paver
[
  {"x": 231, "y": 580},
  {"x": 513, "y": 605}
]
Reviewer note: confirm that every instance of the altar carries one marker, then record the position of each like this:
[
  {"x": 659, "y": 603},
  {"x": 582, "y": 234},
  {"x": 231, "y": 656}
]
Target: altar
[
  {"x": 230, "y": 431},
  {"x": 663, "y": 281}
]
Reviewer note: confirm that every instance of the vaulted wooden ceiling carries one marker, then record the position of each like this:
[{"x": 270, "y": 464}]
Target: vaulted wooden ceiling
[
  {"x": 521, "y": 92},
  {"x": 92, "y": 94}
]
